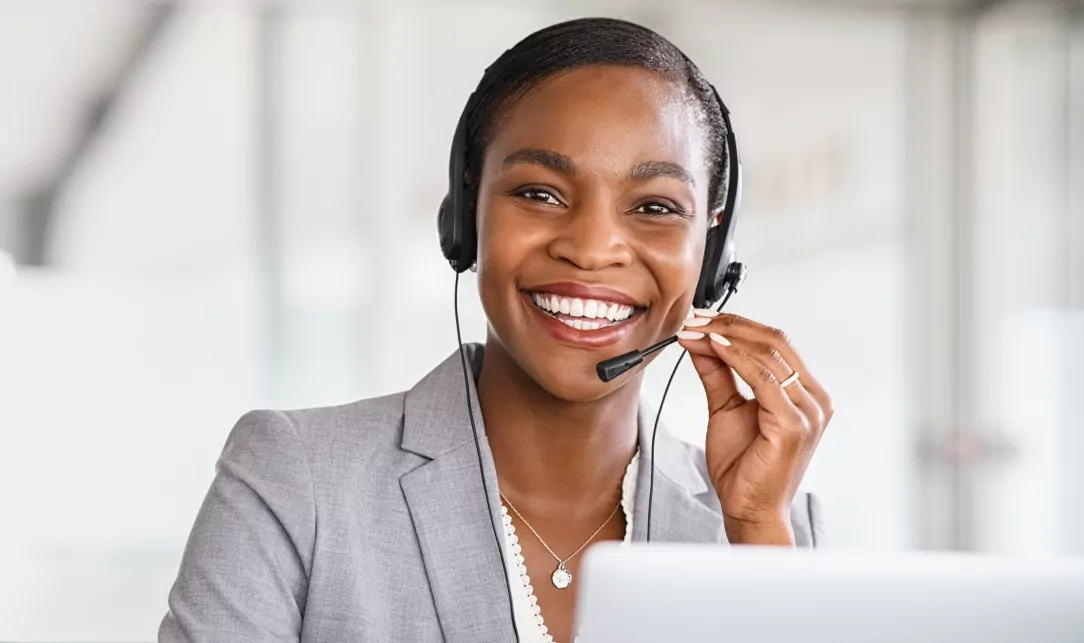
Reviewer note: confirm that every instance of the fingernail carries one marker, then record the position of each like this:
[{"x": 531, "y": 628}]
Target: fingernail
[
  {"x": 690, "y": 335},
  {"x": 694, "y": 322},
  {"x": 704, "y": 312},
  {"x": 719, "y": 339}
]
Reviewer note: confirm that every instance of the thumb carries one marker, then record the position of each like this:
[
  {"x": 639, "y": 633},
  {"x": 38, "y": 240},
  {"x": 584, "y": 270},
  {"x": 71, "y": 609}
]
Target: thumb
[{"x": 720, "y": 382}]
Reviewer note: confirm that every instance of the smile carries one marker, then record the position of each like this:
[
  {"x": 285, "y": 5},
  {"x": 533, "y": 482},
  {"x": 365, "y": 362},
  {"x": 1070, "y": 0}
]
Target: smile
[{"x": 583, "y": 314}]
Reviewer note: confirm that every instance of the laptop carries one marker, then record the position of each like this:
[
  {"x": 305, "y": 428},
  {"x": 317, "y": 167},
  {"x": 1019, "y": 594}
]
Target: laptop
[{"x": 696, "y": 594}]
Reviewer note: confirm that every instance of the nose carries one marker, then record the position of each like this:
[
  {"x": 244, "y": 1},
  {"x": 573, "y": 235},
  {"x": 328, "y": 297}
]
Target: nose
[{"x": 593, "y": 237}]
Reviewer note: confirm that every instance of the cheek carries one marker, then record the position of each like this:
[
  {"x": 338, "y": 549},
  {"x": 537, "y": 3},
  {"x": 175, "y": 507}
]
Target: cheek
[
  {"x": 678, "y": 267},
  {"x": 503, "y": 243},
  {"x": 676, "y": 271},
  {"x": 507, "y": 244}
]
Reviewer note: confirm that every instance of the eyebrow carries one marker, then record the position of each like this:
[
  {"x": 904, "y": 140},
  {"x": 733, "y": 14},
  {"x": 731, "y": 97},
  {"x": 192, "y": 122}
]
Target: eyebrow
[
  {"x": 563, "y": 164},
  {"x": 653, "y": 169},
  {"x": 546, "y": 158}
]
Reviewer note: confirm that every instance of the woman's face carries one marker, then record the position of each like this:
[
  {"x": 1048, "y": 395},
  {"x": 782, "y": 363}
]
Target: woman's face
[{"x": 592, "y": 213}]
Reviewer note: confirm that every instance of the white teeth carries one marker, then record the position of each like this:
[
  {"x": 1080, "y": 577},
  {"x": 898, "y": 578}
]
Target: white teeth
[
  {"x": 580, "y": 324},
  {"x": 583, "y": 308}
]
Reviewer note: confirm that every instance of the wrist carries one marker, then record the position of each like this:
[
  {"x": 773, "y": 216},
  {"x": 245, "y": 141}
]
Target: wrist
[{"x": 773, "y": 533}]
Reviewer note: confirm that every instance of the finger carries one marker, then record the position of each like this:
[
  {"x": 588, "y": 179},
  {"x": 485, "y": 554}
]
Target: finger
[
  {"x": 725, "y": 448},
  {"x": 736, "y": 326},
  {"x": 767, "y": 357},
  {"x": 766, "y": 387},
  {"x": 720, "y": 383},
  {"x": 728, "y": 440},
  {"x": 770, "y": 358}
]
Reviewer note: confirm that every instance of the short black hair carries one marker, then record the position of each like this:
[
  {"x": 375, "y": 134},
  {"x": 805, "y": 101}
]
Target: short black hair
[{"x": 586, "y": 42}]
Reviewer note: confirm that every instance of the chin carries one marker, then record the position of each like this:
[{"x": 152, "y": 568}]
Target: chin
[{"x": 576, "y": 382}]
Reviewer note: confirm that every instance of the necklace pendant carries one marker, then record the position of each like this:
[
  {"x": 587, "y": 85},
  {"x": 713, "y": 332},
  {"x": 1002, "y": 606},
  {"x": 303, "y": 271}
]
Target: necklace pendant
[{"x": 561, "y": 578}]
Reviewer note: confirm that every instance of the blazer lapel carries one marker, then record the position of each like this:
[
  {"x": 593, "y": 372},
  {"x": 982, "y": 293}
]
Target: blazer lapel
[
  {"x": 450, "y": 509},
  {"x": 684, "y": 507}
]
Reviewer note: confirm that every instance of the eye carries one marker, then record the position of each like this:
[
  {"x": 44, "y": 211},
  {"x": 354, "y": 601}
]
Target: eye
[
  {"x": 659, "y": 209},
  {"x": 538, "y": 195}
]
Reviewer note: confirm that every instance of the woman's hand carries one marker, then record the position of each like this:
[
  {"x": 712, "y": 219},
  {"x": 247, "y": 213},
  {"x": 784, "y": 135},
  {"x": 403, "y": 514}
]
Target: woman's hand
[{"x": 757, "y": 449}]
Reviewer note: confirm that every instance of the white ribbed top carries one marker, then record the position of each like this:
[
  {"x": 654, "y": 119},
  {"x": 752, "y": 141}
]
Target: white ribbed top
[{"x": 529, "y": 619}]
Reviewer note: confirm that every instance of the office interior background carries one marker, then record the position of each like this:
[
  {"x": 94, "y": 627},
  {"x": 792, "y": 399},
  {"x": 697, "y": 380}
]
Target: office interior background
[{"x": 209, "y": 207}]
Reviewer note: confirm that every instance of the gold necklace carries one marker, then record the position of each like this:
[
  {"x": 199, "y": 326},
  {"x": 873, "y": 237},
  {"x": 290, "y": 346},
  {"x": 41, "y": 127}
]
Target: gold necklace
[{"x": 561, "y": 577}]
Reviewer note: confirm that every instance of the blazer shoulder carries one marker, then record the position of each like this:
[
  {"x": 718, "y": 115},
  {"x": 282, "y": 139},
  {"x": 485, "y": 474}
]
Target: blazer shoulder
[
  {"x": 362, "y": 426},
  {"x": 326, "y": 441}
]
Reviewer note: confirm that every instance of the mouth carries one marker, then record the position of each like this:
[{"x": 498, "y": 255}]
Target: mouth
[{"x": 584, "y": 314}]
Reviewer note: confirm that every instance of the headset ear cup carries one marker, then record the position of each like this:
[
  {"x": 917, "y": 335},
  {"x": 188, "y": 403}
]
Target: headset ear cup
[
  {"x": 468, "y": 241},
  {"x": 446, "y": 228},
  {"x": 458, "y": 237},
  {"x": 707, "y": 286}
]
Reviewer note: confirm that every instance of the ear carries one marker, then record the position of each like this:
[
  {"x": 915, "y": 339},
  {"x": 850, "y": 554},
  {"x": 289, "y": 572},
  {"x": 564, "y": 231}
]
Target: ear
[{"x": 717, "y": 218}]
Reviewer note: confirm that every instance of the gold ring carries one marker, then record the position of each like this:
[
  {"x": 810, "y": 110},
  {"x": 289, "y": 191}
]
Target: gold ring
[{"x": 790, "y": 380}]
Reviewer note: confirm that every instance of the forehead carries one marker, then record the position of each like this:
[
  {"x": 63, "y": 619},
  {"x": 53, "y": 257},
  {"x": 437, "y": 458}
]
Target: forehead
[{"x": 606, "y": 118}]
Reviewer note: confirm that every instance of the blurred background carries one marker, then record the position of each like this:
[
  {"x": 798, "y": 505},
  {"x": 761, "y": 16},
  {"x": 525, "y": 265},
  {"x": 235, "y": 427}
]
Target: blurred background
[{"x": 209, "y": 207}]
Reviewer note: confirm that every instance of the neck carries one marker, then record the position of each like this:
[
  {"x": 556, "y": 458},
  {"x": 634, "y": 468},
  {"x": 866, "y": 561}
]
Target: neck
[{"x": 554, "y": 456}]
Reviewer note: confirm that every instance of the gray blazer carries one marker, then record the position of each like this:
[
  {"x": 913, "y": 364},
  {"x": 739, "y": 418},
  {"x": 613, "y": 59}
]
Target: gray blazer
[{"x": 367, "y": 522}]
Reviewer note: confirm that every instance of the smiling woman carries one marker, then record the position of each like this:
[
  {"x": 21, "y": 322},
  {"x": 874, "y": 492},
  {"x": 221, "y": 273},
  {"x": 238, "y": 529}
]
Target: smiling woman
[
  {"x": 590, "y": 184},
  {"x": 587, "y": 178}
]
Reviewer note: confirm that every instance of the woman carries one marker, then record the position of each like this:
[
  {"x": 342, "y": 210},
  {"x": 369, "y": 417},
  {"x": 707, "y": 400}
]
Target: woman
[{"x": 596, "y": 166}]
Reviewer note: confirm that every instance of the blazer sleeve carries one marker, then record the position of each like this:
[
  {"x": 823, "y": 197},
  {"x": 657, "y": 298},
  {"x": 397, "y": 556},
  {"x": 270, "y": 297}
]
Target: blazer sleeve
[
  {"x": 244, "y": 572},
  {"x": 807, "y": 520}
]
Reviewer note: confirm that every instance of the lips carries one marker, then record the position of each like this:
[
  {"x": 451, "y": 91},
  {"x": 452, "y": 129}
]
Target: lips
[{"x": 588, "y": 316}]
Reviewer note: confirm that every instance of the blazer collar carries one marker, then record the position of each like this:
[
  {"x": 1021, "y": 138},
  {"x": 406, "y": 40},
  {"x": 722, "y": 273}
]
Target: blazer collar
[
  {"x": 453, "y": 512},
  {"x": 435, "y": 419}
]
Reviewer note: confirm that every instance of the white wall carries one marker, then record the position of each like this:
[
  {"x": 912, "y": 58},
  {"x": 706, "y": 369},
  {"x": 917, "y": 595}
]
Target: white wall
[
  {"x": 1023, "y": 325},
  {"x": 132, "y": 357}
]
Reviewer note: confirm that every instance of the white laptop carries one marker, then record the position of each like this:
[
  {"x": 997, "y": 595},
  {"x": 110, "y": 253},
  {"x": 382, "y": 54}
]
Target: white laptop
[{"x": 697, "y": 594}]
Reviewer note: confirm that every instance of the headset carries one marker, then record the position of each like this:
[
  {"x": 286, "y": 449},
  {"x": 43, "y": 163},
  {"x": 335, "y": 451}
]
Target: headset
[{"x": 720, "y": 274}]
